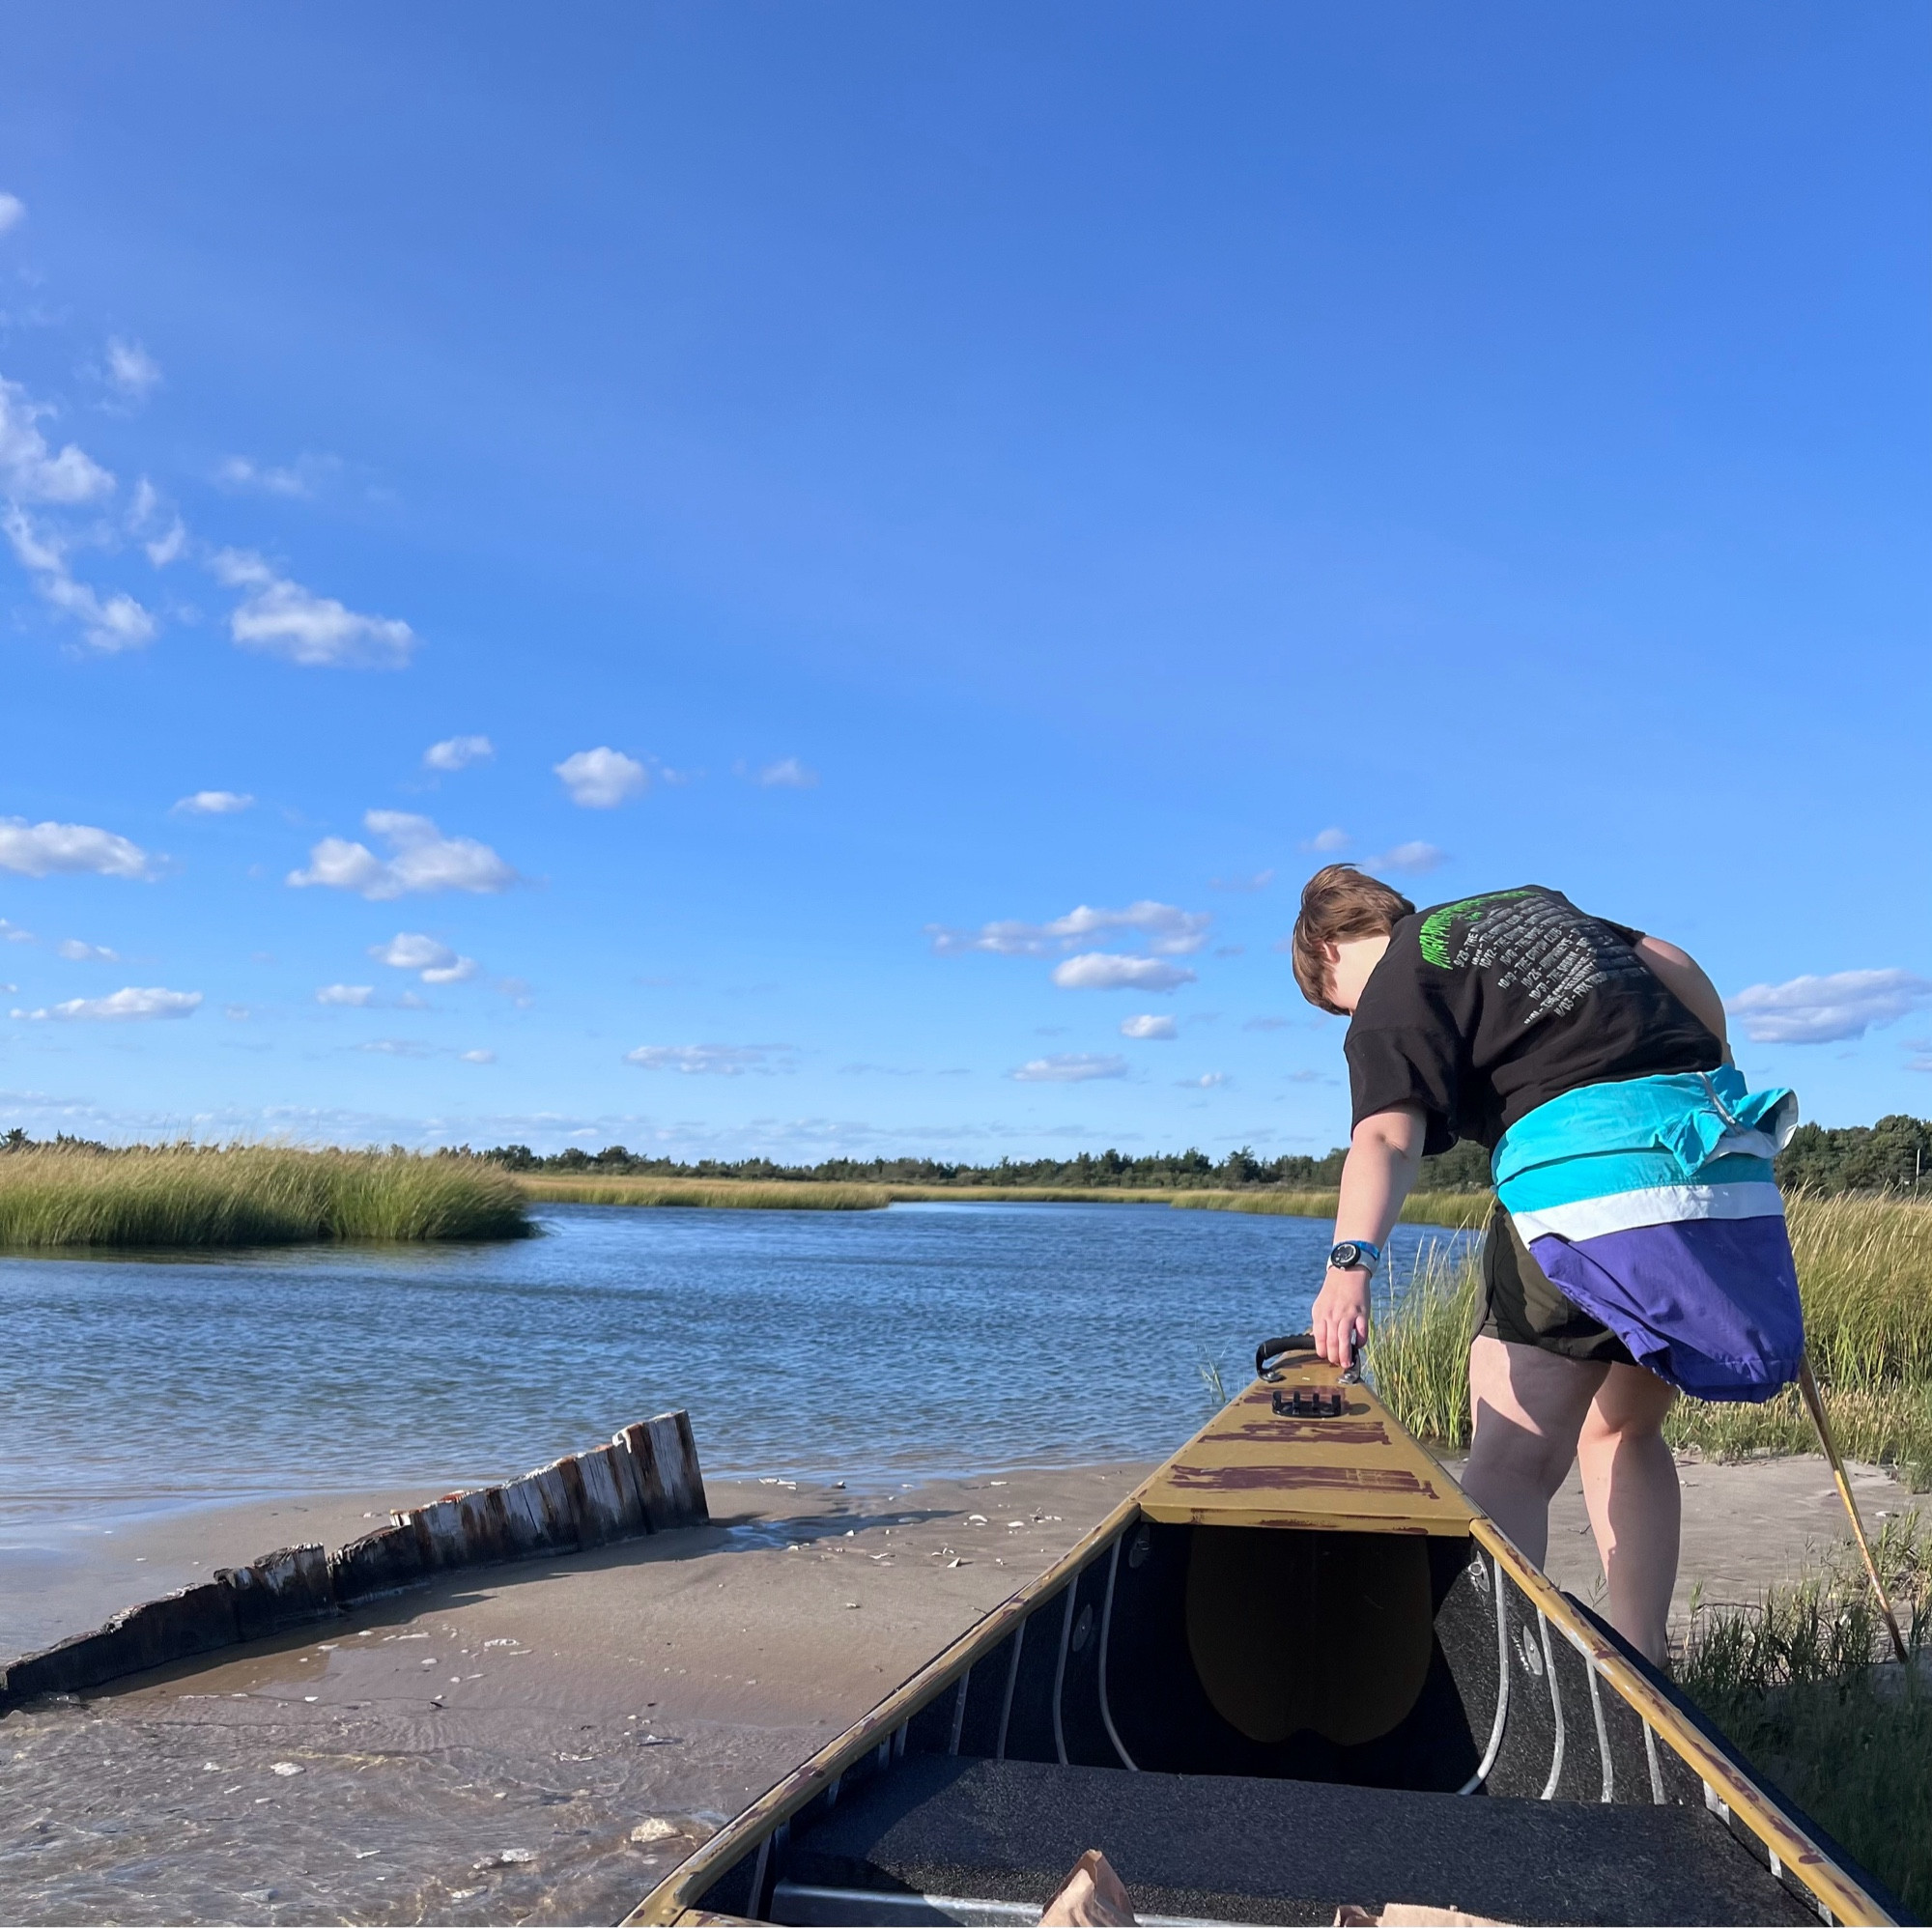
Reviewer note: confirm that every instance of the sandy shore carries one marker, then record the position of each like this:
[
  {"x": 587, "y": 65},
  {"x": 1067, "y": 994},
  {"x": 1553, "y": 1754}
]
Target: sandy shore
[{"x": 483, "y": 1749}]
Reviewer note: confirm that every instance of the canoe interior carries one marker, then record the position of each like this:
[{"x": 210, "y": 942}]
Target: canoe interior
[{"x": 1261, "y": 1712}]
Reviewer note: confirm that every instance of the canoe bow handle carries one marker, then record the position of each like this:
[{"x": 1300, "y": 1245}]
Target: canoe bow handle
[{"x": 1271, "y": 1352}]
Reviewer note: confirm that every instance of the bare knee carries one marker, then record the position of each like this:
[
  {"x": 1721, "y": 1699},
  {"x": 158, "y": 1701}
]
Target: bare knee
[{"x": 1506, "y": 1449}]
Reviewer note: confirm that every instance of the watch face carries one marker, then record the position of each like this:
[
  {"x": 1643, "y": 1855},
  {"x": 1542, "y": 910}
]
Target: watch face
[{"x": 1344, "y": 1254}]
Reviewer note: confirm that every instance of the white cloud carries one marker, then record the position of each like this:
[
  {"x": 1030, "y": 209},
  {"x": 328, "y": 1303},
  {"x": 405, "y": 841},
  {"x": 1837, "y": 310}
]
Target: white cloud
[
  {"x": 131, "y": 369},
  {"x": 425, "y": 860},
  {"x": 414, "y": 951},
  {"x": 1146, "y": 1025},
  {"x": 1166, "y": 931},
  {"x": 124, "y": 1006},
  {"x": 78, "y": 953},
  {"x": 30, "y": 471},
  {"x": 458, "y": 753},
  {"x": 1069, "y": 1068},
  {"x": 1822, "y": 1011},
  {"x": 1207, "y": 1081},
  {"x": 1105, "y": 971},
  {"x": 214, "y": 804},
  {"x": 718, "y": 1060},
  {"x": 787, "y": 774},
  {"x": 13, "y": 211},
  {"x": 356, "y": 995},
  {"x": 109, "y": 623},
  {"x": 300, "y": 479},
  {"x": 68, "y": 849},
  {"x": 478, "y": 1057},
  {"x": 601, "y": 778},
  {"x": 284, "y": 619},
  {"x": 1414, "y": 860},
  {"x": 13, "y": 934},
  {"x": 1327, "y": 841},
  {"x": 144, "y": 513}
]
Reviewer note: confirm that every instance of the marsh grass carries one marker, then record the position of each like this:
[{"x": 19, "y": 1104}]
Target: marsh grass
[
  {"x": 1458, "y": 1211},
  {"x": 1799, "y": 1685},
  {"x": 734, "y": 1194},
  {"x": 1418, "y": 1354},
  {"x": 188, "y": 1195},
  {"x": 812, "y": 1195}
]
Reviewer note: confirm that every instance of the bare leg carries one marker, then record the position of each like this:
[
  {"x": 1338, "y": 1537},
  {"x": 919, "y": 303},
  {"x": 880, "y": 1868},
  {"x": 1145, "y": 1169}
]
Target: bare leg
[
  {"x": 1629, "y": 1484},
  {"x": 1528, "y": 1406}
]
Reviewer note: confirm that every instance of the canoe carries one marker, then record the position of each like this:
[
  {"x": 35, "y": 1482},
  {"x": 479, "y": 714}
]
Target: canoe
[{"x": 1294, "y": 1670}]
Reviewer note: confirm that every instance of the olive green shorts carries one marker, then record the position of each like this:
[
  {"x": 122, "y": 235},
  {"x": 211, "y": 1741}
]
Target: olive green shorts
[{"x": 1522, "y": 1307}]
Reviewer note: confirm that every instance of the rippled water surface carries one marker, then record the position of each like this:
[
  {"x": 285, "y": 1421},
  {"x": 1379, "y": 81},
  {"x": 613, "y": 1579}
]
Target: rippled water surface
[{"x": 920, "y": 1340}]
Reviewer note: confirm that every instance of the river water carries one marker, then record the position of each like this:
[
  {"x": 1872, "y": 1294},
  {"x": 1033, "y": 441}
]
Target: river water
[
  {"x": 922, "y": 1340},
  {"x": 316, "y": 1778}
]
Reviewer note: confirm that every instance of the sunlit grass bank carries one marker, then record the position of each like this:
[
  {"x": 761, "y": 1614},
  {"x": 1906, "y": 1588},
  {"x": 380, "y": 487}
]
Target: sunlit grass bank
[
  {"x": 1461, "y": 1211},
  {"x": 811, "y": 1195},
  {"x": 1793, "y": 1682},
  {"x": 185, "y": 1196},
  {"x": 1864, "y": 1266},
  {"x": 723, "y": 1193}
]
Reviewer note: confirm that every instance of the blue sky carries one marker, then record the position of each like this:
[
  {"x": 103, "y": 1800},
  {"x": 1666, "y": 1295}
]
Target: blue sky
[{"x": 937, "y": 516}]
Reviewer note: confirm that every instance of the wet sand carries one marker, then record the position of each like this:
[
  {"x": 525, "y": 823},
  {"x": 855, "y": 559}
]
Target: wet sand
[{"x": 484, "y": 1749}]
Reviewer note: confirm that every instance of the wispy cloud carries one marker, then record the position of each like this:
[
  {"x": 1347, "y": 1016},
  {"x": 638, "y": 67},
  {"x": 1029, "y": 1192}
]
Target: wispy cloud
[
  {"x": 75, "y": 951},
  {"x": 164, "y": 534},
  {"x": 477, "y": 1057},
  {"x": 69, "y": 849},
  {"x": 132, "y": 371},
  {"x": 282, "y": 618},
  {"x": 458, "y": 753},
  {"x": 1165, "y": 930},
  {"x": 358, "y": 996},
  {"x": 13, "y": 211},
  {"x": 1207, "y": 1081},
  {"x": 33, "y": 471},
  {"x": 109, "y": 623},
  {"x": 786, "y": 774},
  {"x": 1824, "y": 1010},
  {"x": 1148, "y": 1026},
  {"x": 1107, "y": 971},
  {"x": 434, "y": 962},
  {"x": 601, "y": 778},
  {"x": 1260, "y": 881},
  {"x": 425, "y": 861},
  {"x": 302, "y": 479},
  {"x": 214, "y": 804},
  {"x": 1068, "y": 1067},
  {"x": 1326, "y": 842},
  {"x": 122, "y": 1007},
  {"x": 1412, "y": 859},
  {"x": 1267, "y": 1024},
  {"x": 715, "y": 1060}
]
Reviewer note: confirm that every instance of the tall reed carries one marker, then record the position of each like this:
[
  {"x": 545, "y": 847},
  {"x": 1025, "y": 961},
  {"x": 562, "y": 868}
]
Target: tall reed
[
  {"x": 188, "y": 1195},
  {"x": 1793, "y": 1682},
  {"x": 738, "y": 1194},
  {"x": 1418, "y": 1353}
]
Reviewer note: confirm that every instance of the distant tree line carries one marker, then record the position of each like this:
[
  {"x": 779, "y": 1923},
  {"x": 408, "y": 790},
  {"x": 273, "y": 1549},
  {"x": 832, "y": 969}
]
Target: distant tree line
[
  {"x": 1466, "y": 1168},
  {"x": 1895, "y": 1154}
]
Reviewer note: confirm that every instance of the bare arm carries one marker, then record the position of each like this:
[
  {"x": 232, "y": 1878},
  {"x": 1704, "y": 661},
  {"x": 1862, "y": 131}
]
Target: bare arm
[
  {"x": 1385, "y": 1154},
  {"x": 1680, "y": 973}
]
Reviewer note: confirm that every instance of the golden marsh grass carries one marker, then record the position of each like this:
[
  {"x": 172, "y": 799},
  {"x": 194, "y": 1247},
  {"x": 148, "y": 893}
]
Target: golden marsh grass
[{"x": 187, "y": 1195}]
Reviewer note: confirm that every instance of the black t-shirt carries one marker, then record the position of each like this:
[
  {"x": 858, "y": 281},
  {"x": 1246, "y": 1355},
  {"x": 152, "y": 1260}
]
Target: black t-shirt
[{"x": 1483, "y": 1009}]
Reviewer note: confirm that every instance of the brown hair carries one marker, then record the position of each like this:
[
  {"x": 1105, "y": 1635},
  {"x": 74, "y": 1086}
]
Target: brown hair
[{"x": 1337, "y": 903}]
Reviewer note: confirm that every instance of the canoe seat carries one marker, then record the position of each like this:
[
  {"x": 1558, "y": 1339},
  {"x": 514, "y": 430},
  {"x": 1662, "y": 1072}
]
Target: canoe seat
[{"x": 1226, "y": 1848}]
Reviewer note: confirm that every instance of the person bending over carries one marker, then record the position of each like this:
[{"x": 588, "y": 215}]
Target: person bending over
[{"x": 1517, "y": 1012}]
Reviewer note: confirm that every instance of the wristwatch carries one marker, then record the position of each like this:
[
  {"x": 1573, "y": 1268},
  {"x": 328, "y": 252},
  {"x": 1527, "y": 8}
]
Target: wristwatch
[{"x": 1355, "y": 1255}]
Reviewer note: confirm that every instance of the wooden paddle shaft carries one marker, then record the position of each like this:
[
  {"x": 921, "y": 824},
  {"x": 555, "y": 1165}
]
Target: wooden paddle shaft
[{"x": 1807, "y": 1386}]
